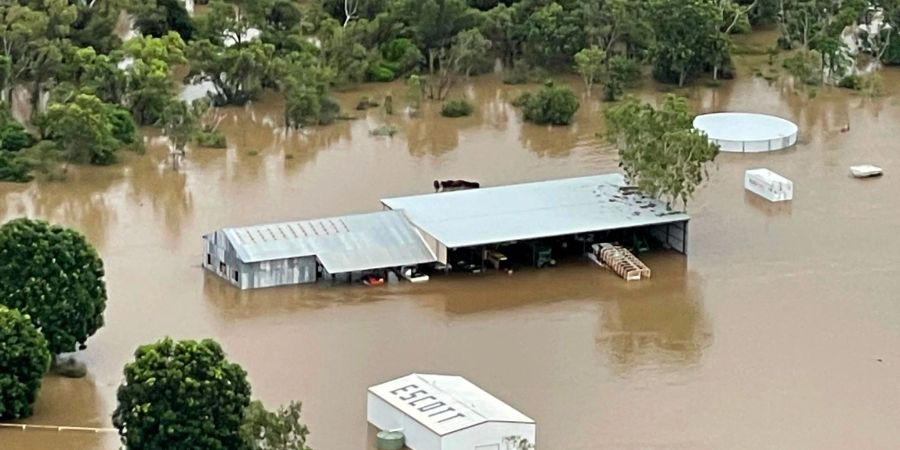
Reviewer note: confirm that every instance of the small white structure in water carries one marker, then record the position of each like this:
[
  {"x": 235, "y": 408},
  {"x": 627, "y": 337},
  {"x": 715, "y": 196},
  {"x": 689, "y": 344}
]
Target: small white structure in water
[
  {"x": 747, "y": 132},
  {"x": 769, "y": 185},
  {"x": 442, "y": 412},
  {"x": 865, "y": 171}
]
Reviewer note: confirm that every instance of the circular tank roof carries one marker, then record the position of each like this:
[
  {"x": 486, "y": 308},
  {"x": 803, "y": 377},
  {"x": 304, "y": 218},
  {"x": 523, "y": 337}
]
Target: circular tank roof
[{"x": 744, "y": 127}]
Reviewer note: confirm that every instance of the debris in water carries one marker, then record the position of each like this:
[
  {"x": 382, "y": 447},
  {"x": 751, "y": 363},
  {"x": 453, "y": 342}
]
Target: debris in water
[
  {"x": 865, "y": 171},
  {"x": 384, "y": 130}
]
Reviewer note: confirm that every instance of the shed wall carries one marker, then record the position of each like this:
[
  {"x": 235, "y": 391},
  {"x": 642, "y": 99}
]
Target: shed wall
[
  {"x": 220, "y": 257},
  {"x": 487, "y": 436},
  {"x": 673, "y": 234},
  {"x": 385, "y": 417}
]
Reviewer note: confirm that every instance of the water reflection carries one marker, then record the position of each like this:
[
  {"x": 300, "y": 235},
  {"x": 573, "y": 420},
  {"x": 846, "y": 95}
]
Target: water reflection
[
  {"x": 82, "y": 408},
  {"x": 657, "y": 323}
]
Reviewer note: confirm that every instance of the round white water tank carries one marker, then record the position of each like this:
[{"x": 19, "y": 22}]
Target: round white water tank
[{"x": 747, "y": 132}]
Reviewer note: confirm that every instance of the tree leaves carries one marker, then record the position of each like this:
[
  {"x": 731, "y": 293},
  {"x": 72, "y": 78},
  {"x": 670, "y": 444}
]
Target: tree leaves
[
  {"x": 181, "y": 394},
  {"x": 55, "y": 276},
  {"x": 24, "y": 359},
  {"x": 659, "y": 149}
]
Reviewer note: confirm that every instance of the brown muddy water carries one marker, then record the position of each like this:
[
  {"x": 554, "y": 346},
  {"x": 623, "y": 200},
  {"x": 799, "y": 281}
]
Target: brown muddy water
[{"x": 781, "y": 330}]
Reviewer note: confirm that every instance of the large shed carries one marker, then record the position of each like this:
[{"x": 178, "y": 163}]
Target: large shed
[
  {"x": 304, "y": 251},
  {"x": 554, "y": 208},
  {"x": 444, "y": 412}
]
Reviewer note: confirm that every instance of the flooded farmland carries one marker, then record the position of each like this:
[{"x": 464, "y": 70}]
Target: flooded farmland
[{"x": 781, "y": 329}]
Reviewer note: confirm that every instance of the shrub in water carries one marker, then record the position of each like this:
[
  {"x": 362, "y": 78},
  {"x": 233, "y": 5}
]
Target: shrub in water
[
  {"x": 555, "y": 105},
  {"x": 456, "y": 108}
]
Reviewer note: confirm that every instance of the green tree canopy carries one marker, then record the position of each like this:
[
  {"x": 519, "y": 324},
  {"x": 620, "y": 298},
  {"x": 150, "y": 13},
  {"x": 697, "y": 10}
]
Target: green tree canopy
[
  {"x": 274, "y": 430},
  {"x": 590, "y": 63},
  {"x": 55, "y": 276},
  {"x": 659, "y": 149},
  {"x": 148, "y": 78},
  {"x": 24, "y": 359},
  {"x": 552, "y": 104},
  {"x": 84, "y": 130},
  {"x": 182, "y": 394},
  {"x": 688, "y": 39},
  {"x": 236, "y": 72},
  {"x": 157, "y": 18}
]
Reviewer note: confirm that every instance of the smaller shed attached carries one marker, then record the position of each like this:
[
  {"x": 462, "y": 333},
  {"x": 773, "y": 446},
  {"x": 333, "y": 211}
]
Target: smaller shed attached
[
  {"x": 443, "y": 412},
  {"x": 303, "y": 251}
]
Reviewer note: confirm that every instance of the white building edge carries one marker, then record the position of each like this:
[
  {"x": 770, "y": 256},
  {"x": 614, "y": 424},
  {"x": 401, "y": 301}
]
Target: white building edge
[{"x": 445, "y": 412}]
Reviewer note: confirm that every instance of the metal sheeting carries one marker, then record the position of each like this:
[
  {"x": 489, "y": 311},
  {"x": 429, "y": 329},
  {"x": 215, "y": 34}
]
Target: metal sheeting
[
  {"x": 342, "y": 244},
  {"x": 458, "y": 404},
  {"x": 532, "y": 210}
]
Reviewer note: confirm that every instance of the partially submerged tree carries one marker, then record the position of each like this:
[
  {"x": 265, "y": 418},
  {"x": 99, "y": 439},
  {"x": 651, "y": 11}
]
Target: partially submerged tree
[
  {"x": 591, "y": 65},
  {"x": 84, "y": 129},
  {"x": 149, "y": 76},
  {"x": 553, "y": 105},
  {"x": 157, "y": 18},
  {"x": 659, "y": 150},
  {"x": 687, "y": 38},
  {"x": 24, "y": 359},
  {"x": 55, "y": 276},
  {"x": 274, "y": 430},
  {"x": 236, "y": 72},
  {"x": 181, "y": 394}
]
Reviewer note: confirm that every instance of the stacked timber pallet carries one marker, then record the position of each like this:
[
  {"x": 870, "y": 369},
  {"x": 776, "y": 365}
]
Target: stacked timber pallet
[{"x": 621, "y": 261}]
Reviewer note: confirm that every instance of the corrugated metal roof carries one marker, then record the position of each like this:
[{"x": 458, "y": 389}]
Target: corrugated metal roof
[
  {"x": 462, "y": 404},
  {"x": 532, "y": 210},
  {"x": 342, "y": 244}
]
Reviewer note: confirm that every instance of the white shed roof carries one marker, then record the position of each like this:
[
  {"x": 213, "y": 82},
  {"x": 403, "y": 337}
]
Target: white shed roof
[
  {"x": 532, "y": 210},
  {"x": 445, "y": 403},
  {"x": 342, "y": 244}
]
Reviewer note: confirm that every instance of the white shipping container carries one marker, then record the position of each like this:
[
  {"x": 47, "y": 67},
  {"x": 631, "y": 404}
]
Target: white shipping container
[
  {"x": 769, "y": 185},
  {"x": 441, "y": 412}
]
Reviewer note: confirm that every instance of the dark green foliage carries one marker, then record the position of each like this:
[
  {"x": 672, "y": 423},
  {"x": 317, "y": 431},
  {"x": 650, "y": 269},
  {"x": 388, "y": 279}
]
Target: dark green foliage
[
  {"x": 554, "y": 105},
  {"x": 181, "y": 394},
  {"x": 891, "y": 56},
  {"x": 12, "y": 168},
  {"x": 55, "y": 276},
  {"x": 274, "y": 430},
  {"x": 24, "y": 359},
  {"x": 623, "y": 73},
  {"x": 158, "y": 17},
  {"x": 123, "y": 126},
  {"x": 457, "y": 108},
  {"x": 14, "y": 137}
]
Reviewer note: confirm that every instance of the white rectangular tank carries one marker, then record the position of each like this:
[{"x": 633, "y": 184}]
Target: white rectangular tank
[{"x": 768, "y": 185}]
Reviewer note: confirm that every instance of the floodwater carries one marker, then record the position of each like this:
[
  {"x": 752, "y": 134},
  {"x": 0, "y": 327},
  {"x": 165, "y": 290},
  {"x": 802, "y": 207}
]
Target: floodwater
[{"x": 781, "y": 330}]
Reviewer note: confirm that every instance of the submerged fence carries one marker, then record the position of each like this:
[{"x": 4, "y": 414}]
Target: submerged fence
[{"x": 28, "y": 426}]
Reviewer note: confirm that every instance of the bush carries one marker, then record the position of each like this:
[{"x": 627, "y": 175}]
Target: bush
[
  {"x": 123, "y": 126},
  {"x": 555, "y": 105},
  {"x": 457, "y": 108},
  {"x": 382, "y": 74},
  {"x": 24, "y": 359},
  {"x": 854, "y": 82},
  {"x": 179, "y": 394},
  {"x": 805, "y": 66},
  {"x": 14, "y": 137},
  {"x": 55, "y": 276},
  {"x": 208, "y": 137},
  {"x": 13, "y": 168}
]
